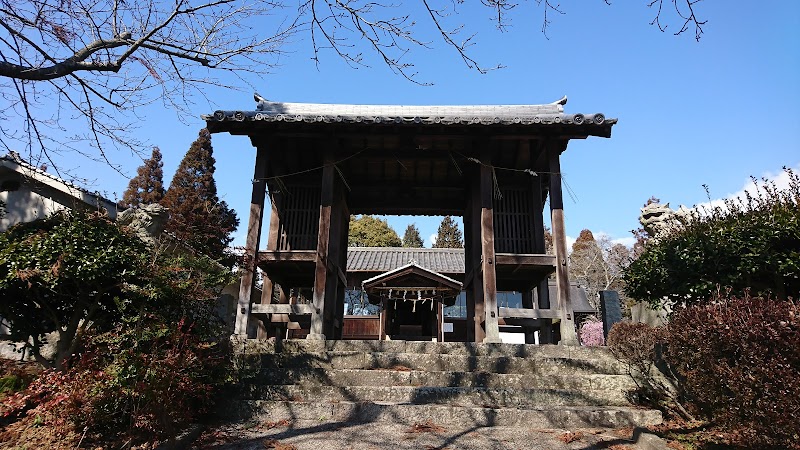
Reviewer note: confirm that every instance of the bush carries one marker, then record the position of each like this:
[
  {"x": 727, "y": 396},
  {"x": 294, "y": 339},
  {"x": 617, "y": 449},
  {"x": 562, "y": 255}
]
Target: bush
[
  {"x": 637, "y": 345},
  {"x": 740, "y": 358},
  {"x": 150, "y": 359},
  {"x": 65, "y": 273},
  {"x": 592, "y": 333},
  {"x": 752, "y": 242}
]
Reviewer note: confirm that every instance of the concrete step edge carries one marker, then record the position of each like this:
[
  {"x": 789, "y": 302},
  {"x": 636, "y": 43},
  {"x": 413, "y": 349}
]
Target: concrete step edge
[
  {"x": 555, "y": 417},
  {"x": 388, "y": 377},
  {"x": 259, "y": 346},
  {"x": 441, "y": 362},
  {"x": 442, "y": 395}
]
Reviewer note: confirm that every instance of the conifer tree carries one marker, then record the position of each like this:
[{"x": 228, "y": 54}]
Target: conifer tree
[
  {"x": 448, "y": 236},
  {"x": 370, "y": 231},
  {"x": 411, "y": 238},
  {"x": 148, "y": 185},
  {"x": 197, "y": 216}
]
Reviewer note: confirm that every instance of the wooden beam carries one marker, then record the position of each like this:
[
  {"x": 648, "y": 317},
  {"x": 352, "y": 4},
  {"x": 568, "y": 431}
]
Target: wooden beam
[
  {"x": 267, "y": 289},
  {"x": 270, "y": 256},
  {"x": 568, "y": 335},
  {"x": 439, "y": 321},
  {"x": 321, "y": 266},
  {"x": 275, "y": 308},
  {"x": 273, "y": 241},
  {"x": 252, "y": 242},
  {"x": 488, "y": 259},
  {"x": 513, "y": 259},
  {"x": 540, "y": 246},
  {"x": 525, "y": 313},
  {"x": 472, "y": 254}
]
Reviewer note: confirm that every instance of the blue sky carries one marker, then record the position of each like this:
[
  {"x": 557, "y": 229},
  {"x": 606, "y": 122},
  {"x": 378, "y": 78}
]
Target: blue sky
[{"x": 713, "y": 112}]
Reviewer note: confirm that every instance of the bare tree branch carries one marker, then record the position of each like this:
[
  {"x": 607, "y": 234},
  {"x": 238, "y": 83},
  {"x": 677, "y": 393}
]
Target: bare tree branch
[
  {"x": 100, "y": 61},
  {"x": 688, "y": 16}
]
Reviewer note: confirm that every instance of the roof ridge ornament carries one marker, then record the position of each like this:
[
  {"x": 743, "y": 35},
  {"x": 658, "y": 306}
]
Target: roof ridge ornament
[{"x": 562, "y": 101}]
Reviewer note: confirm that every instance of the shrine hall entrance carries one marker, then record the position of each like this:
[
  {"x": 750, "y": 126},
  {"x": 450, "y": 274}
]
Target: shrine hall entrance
[
  {"x": 495, "y": 166},
  {"x": 412, "y": 300}
]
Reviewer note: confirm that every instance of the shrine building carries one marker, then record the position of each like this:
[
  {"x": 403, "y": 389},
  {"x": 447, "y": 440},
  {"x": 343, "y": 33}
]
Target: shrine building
[{"x": 494, "y": 166}]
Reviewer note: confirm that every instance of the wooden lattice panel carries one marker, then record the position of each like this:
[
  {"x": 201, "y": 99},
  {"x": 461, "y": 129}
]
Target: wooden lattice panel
[
  {"x": 299, "y": 218},
  {"x": 513, "y": 222}
]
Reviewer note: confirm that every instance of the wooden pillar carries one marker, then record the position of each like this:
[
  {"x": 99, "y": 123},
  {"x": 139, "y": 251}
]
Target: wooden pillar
[
  {"x": 319, "y": 315},
  {"x": 542, "y": 289},
  {"x": 267, "y": 288},
  {"x": 568, "y": 336},
  {"x": 252, "y": 243},
  {"x": 383, "y": 319},
  {"x": 439, "y": 320},
  {"x": 487, "y": 250},
  {"x": 476, "y": 291},
  {"x": 470, "y": 269},
  {"x": 341, "y": 258}
]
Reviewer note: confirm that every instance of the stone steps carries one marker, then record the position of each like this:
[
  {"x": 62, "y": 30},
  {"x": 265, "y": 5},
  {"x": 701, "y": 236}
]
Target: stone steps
[
  {"x": 533, "y": 366},
  {"x": 460, "y": 384},
  {"x": 448, "y": 415},
  {"x": 456, "y": 396},
  {"x": 422, "y": 347},
  {"x": 416, "y": 378}
]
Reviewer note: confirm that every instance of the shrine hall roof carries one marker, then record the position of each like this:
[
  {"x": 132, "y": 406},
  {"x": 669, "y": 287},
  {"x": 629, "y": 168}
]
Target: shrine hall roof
[
  {"x": 382, "y": 259},
  {"x": 544, "y": 114}
]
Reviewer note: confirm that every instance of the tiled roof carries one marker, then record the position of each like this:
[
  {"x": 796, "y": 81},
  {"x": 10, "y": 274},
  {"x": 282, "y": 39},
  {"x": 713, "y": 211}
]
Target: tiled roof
[
  {"x": 15, "y": 162},
  {"x": 383, "y": 259},
  {"x": 546, "y": 114}
]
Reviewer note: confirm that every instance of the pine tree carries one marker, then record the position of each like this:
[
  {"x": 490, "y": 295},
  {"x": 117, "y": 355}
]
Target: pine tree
[
  {"x": 197, "y": 216},
  {"x": 411, "y": 238},
  {"x": 448, "y": 236},
  {"x": 148, "y": 185}
]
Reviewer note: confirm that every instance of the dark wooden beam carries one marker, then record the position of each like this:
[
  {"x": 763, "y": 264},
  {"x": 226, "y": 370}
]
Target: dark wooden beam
[
  {"x": 302, "y": 309},
  {"x": 252, "y": 243},
  {"x": 321, "y": 265},
  {"x": 488, "y": 259},
  {"x": 568, "y": 336}
]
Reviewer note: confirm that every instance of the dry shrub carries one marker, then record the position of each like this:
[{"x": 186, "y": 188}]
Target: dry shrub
[
  {"x": 639, "y": 345},
  {"x": 740, "y": 357}
]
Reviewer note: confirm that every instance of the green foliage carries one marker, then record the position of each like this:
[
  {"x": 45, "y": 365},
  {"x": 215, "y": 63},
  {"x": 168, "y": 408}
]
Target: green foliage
[
  {"x": 148, "y": 185},
  {"x": 752, "y": 242},
  {"x": 150, "y": 363},
  {"x": 411, "y": 238},
  {"x": 740, "y": 362},
  {"x": 370, "y": 231},
  {"x": 197, "y": 216},
  {"x": 448, "y": 235},
  {"x": 64, "y": 273}
]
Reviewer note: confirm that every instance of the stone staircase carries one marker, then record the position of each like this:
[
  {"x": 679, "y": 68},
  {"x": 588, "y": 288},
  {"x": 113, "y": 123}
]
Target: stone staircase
[{"x": 457, "y": 384}]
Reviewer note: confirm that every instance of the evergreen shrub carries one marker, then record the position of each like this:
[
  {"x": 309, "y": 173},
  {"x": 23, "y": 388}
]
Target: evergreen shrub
[{"x": 746, "y": 243}]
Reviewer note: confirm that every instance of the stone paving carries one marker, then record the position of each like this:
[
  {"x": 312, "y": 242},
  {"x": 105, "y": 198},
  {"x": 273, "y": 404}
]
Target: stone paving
[{"x": 312, "y": 435}]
